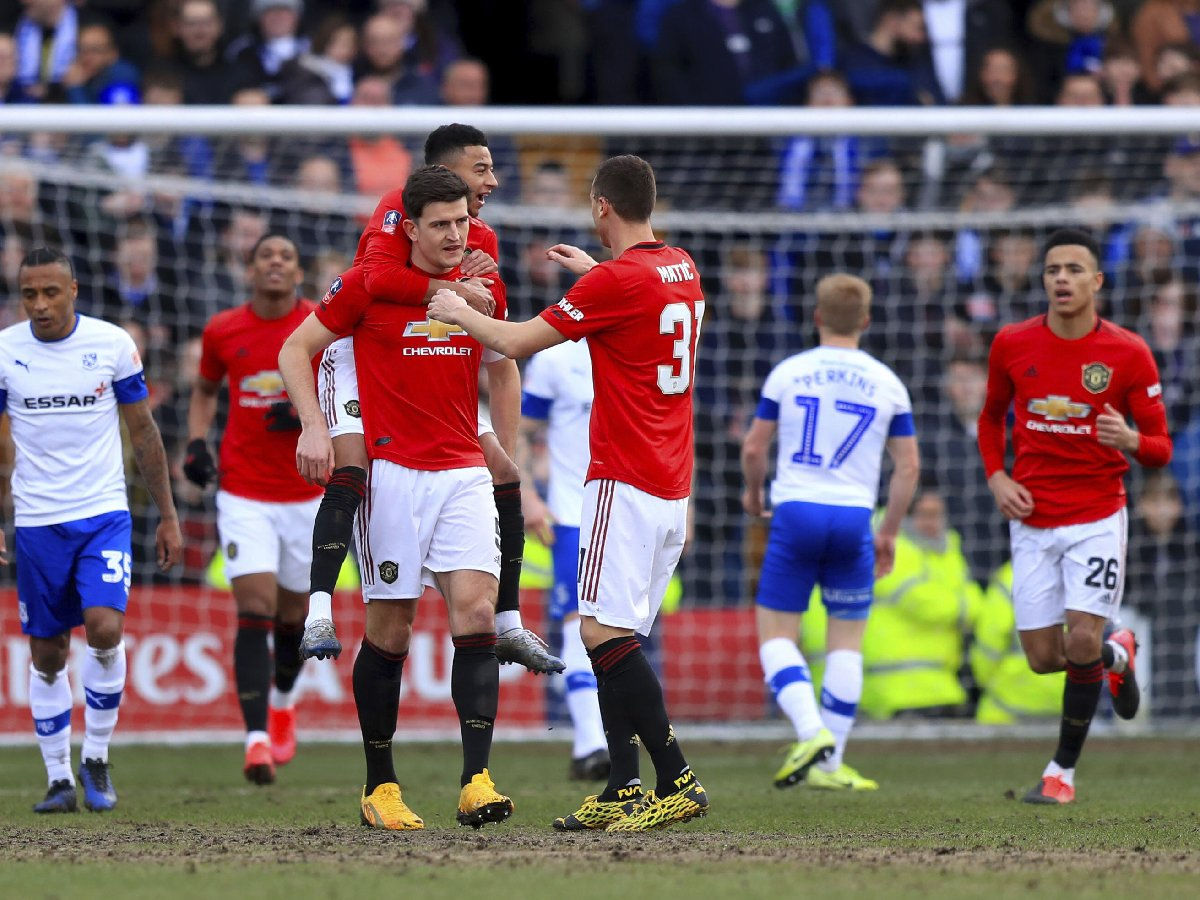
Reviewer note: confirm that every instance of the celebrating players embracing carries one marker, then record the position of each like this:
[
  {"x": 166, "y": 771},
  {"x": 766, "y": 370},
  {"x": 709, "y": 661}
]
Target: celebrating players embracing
[{"x": 1071, "y": 379}]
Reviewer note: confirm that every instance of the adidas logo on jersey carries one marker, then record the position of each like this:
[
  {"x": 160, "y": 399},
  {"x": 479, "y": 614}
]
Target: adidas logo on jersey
[{"x": 681, "y": 271}]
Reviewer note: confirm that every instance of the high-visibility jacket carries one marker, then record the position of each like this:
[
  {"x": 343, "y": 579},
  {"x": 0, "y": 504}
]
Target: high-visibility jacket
[{"x": 1011, "y": 690}]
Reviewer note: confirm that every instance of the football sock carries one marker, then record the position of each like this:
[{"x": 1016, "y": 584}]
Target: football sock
[
  {"x": 790, "y": 681},
  {"x": 1080, "y": 696},
  {"x": 332, "y": 532},
  {"x": 287, "y": 654},
  {"x": 633, "y": 685},
  {"x": 1114, "y": 656},
  {"x": 618, "y": 732},
  {"x": 277, "y": 699},
  {"x": 508, "y": 620},
  {"x": 1053, "y": 769},
  {"x": 252, "y": 668},
  {"x": 512, "y": 545},
  {"x": 475, "y": 689},
  {"x": 840, "y": 693},
  {"x": 376, "y": 681},
  {"x": 50, "y": 703},
  {"x": 582, "y": 701},
  {"x": 103, "y": 675}
]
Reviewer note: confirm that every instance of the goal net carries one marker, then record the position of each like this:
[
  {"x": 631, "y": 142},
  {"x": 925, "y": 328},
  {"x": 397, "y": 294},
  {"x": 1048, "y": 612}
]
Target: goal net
[{"x": 943, "y": 211}]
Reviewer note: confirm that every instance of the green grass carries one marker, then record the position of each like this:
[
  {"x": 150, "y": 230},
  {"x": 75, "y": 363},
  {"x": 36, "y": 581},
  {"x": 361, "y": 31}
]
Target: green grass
[{"x": 944, "y": 824}]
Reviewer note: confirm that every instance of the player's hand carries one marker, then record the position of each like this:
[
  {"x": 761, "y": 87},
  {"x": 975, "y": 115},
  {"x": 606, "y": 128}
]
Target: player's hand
[
  {"x": 476, "y": 263},
  {"x": 447, "y": 306},
  {"x": 538, "y": 520},
  {"x": 1012, "y": 499},
  {"x": 198, "y": 465},
  {"x": 282, "y": 416},
  {"x": 754, "y": 502},
  {"x": 314, "y": 455},
  {"x": 477, "y": 295},
  {"x": 168, "y": 542},
  {"x": 571, "y": 258},
  {"x": 1113, "y": 431},
  {"x": 885, "y": 554}
]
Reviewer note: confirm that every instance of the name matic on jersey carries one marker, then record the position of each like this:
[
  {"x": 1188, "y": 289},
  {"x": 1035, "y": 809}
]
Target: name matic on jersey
[{"x": 681, "y": 271}]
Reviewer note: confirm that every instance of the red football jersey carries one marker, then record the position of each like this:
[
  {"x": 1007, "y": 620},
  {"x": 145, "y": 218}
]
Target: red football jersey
[
  {"x": 418, "y": 381},
  {"x": 641, "y": 314},
  {"x": 1056, "y": 388},
  {"x": 384, "y": 250},
  {"x": 255, "y": 463}
]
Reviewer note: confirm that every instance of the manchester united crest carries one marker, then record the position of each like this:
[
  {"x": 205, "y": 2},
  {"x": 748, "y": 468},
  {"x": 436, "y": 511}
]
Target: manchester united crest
[
  {"x": 353, "y": 409},
  {"x": 1096, "y": 377},
  {"x": 388, "y": 571},
  {"x": 231, "y": 550}
]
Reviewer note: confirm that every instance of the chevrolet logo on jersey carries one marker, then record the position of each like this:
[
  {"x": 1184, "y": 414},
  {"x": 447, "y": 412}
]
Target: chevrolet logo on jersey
[
  {"x": 267, "y": 383},
  {"x": 432, "y": 330},
  {"x": 1055, "y": 408}
]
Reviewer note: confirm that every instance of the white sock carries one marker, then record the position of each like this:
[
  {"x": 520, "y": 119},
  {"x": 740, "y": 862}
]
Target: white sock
[
  {"x": 1120, "y": 657},
  {"x": 320, "y": 606},
  {"x": 1054, "y": 769},
  {"x": 840, "y": 693},
  {"x": 103, "y": 674},
  {"x": 256, "y": 737},
  {"x": 508, "y": 620},
  {"x": 277, "y": 699},
  {"x": 582, "y": 700},
  {"x": 50, "y": 703},
  {"x": 788, "y": 675}
]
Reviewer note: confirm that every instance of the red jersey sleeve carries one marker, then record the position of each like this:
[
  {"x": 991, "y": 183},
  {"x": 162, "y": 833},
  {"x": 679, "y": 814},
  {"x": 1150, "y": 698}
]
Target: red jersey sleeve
[
  {"x": 386, "y": 271},
  {"x": 995, "y": 408},
  {"x": 341, "y": 309},
  {"x": 588, "y": 306},
  {"x": 212, "y": 367},
  {"x": 1149, "y": 414}
]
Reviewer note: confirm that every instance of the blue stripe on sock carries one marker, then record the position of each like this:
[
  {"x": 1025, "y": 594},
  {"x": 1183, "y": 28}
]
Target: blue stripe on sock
[
  {"x": 836, "y": 706},
  {"x": 54, "y": 724},
  {"x": 97, "y": 700},
  {"x": 790, "y": 675},
  {"x": 580, "y": 681}
]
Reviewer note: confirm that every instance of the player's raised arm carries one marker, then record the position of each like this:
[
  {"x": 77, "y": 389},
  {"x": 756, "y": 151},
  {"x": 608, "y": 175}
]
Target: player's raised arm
[
  {"x": 515, "y": 340},
  {"x": 151, "y": 459},
  {"x": 314, "y": 448}
]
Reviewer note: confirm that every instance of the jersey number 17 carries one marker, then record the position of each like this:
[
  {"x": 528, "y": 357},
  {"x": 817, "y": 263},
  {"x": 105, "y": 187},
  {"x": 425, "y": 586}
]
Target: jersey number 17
[{"x": 806, "y": 455}]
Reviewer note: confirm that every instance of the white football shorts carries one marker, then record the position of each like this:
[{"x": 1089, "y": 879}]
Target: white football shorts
[
  {"x": 485, "y": 423},
  {"x": 337, "y": 388},
  {"x": 1079, "y": 567},
  {"x": 259, "y": 536},
  {"x": 414, "y": 523},
  {"x": 629, "y": 545}
]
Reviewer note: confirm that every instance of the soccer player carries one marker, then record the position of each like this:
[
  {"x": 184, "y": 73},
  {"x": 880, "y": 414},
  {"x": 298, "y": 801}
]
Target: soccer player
[
  {"x": 836, "y": 409},
  {"x": 265, "y": 510},
  {"x": 430, "y": 515},
  {"x": 558, "y": 394},
  {"x": 63, "y": 378},
  {"x": 1071, "y": 379},
  {"x": 383, "y": 255},
  {"x": 640, "y": 312}
]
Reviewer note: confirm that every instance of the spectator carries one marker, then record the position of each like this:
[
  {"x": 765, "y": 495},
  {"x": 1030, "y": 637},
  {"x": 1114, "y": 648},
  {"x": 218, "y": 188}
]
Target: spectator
[
  {"x": 387, "y": 56},
  {"x": 1070, "y": 36},
  {"x": 990, "y": 192},
  {"x": 136, "y": 286},
  {"x": 618, "y": 54},
  {"x": 1167, "y": 320},
  {"x": 880, "y": 249},
  {"x": 10, "y": 89},
  {"x": 378, "y": 162},
  {"x": 465, "y": 83},
  {"x": 1121, "y": 75},
  {"x": 1160, "y": 22},
  {"x": 719, "y": 52},
  {"x": 253, "y": 158},
  {"x": 549, "y": 186},
  {"x": 324, "y": 74},
  {"x": 1173, "y": 60},
  {"x": 242, "y": 230},
  {"x": 1182, "y": 90},
  {"x": 1182, "y": 168},
  {"x": 198, "y": 54},
  {"x": 320, "y": 224},
  {"x": 326, "y": 265},
  {"x": 823, "y": 172},
  {"x": 98, "y": 74},
  {"x": 892, "y": 66},
  {"x": 432, "y": 41},
  {"x": 1001, "y": 79},
  {"x": 1010, "y": 290},
  {"x": 20, "y": 214},
  {"x": 259, "y": 56},
  {"x": 45, "y": 37}
]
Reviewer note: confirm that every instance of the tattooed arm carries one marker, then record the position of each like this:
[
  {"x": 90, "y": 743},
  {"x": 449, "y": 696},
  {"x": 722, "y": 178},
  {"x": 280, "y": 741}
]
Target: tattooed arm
[{"x": 152, "y": 463}]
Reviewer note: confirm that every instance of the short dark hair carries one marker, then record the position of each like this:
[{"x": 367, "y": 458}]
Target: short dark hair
[
  {"x": 896, "y": 7},
  {"x": 447, "y": 141},
  {"x": 266, "y": 237},
  {"x": 627, "y": 182},
  {"x": 432, "y": 184},
  {"x": 1073, "y": 237},
  {"x": 47, "y": 256}
]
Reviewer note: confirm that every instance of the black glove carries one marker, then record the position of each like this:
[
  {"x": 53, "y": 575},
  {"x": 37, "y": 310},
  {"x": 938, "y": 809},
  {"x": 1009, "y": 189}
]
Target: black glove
[
  {"x": 198, "y": 465},
  {"x": 282, "y": 416}
]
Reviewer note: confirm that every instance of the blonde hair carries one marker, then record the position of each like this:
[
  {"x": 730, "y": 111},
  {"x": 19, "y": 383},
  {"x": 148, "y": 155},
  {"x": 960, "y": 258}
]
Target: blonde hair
[{"x": 844, "y": 302}]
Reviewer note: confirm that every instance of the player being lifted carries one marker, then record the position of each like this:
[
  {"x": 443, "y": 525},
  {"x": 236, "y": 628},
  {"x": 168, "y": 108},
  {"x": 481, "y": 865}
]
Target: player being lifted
[
  {"x": 429, "y": 515},
  {"x": 1071, "y": 379},
  {"x": 641, "y": 314},
  {"x": 836, "y": 409},
  {"x": 383, "y": 256},
  {"x": 265, "y": 510},
  {"x": 63, "y": 379}
]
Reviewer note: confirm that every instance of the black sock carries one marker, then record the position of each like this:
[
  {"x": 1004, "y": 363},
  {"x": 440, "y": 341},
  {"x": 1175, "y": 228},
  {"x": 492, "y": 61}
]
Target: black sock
[
  {"x": 252, "y": 668},
  {"x": 377, "y": 697},
  {"x": 1080, "y": 696},
  {"x": 334, "y": 526},
  {"x": 475, "y": 688},
  {"x": 1107, "y": 656},
  {"x": 618, "y": 730},
  {"x": 287, "y": 653},
  {"x": 512, "y": 544}
]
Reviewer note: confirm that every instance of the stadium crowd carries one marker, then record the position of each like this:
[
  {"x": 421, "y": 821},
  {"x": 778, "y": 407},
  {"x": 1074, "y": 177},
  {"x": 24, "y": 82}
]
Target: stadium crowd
[{"x": 162, "y": 261}]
